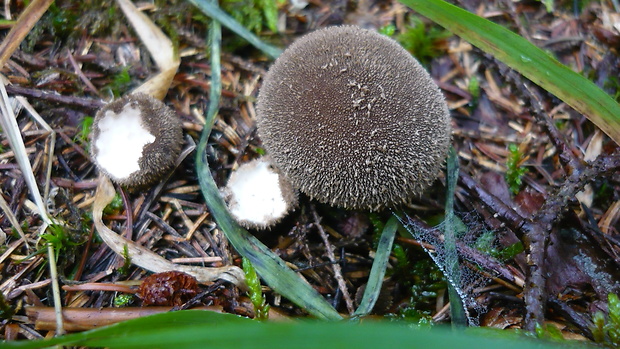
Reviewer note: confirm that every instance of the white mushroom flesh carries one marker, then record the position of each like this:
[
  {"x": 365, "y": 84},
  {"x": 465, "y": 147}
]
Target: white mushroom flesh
[
  {"x": 255, "y": 194},
  {"x": 121, "y": 141}
]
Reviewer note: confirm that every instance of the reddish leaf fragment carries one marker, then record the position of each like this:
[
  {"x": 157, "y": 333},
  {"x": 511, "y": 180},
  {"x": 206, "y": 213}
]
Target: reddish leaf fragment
[
  {"x": 528, "y": 202},
  {"x": 168, "y": 288}
]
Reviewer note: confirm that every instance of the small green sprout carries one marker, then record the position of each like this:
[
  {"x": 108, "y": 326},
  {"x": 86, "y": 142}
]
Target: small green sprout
[
  {"x": 424, "y": 43},
  {"x": 123, "y": 300},
  {"x": 121, "y": 82},
  {"x": 261, "y": 308},
  {"x": 377, "y": 228},
  {"x": 114, "y": 206},
  {"x": 421, "y": 276},
  {"x": 549, "y": 5},
  {"x": 474, "y": 88},
  {"x": 515, "y": 170},
  {"x": 550, "y": 333},
  {"x": 486, "y": 244},
  {"x": 124, "y": 270},
  {"x": 6, "y": 312},
  {"x": 388, "y": 30},
  {"x": 59, "y": 238},
  {"x": 253, "y": 14},
  {"x": 25, "y": 227},
  {"x": 83, "y": 131},
  {"x": 260, "y": 151},
  {"x": 606, "y": 329}
]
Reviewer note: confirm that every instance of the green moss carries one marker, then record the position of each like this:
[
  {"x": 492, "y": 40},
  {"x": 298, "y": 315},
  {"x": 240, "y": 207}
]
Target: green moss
[
  {"x": 420, "y": 277},
  {"x": 255, "y": 15},
  {"x": 114, "y": 206},
  {"x": 549, "y": 333},
  {"x": 82, "y": 136},
  {"x": 515, "y": 170},
  {"x": 485, "y": 243},
  {"x": 606, "y": 328},
  {"x": 123, "y": 300},
  {"x": 474, "y": 88},
  {"x": 612, "y": 85},
  {"x": 62, "y": 240},
  {"x": 388, "y": 30},
  {"x": 6, "y": 312},
  {"x": 124, "y": 270},
  {"x": 424, "y": 42},
  {"x": 261, "y": 308},
  {"x": 121, "y": 83},
  {"x": 377, "y": 228},
  {"x": 66, "y": 21}
]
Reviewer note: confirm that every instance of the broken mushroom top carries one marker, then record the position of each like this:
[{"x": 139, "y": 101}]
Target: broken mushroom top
[
  {"x": 136, "y": 140},
  {"x": 257, "y": 196},
  {"x": 353, "y": 120}
]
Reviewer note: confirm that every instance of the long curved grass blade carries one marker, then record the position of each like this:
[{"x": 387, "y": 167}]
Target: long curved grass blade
[
  {"x": 271, "y": 268},
  {"x": 457, "y": 308},
  {"x": 203, "y": 329},
  {"x": 377, "y": 272},
  {"x": 145, "y": 258},
  {"x": 212, "y": 10},
  {"x": 524, "y": 57}
]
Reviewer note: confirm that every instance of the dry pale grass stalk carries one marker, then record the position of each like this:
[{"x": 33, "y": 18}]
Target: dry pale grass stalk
[
  {"x": 145, "y": 258},
  {"x": 161, "y": 49}
]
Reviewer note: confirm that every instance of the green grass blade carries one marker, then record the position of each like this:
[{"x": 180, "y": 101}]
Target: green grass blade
[
  {"x": 271, "y": 268},
  {"x": 203, "y": 329},
  {"x": 212, "y": 10},
  {"x": 377, "y": 272},
  {"x": 457, "y": 308},
  {"x": 524, "y": 57}
]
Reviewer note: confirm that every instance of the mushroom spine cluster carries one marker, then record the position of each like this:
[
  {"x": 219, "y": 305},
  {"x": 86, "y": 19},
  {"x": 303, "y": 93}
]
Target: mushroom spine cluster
[{"x": 353, "y": 120}]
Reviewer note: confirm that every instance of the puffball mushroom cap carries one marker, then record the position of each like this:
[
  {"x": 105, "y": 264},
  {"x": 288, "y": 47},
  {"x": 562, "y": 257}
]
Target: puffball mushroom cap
[
  {"x": 136, "y": 140},
  {"x": 257, "y": 195},
  {"x": 353, "y": 120}
]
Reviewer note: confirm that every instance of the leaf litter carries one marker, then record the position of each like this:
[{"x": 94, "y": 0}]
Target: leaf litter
[{"x": 491, "y": 109}]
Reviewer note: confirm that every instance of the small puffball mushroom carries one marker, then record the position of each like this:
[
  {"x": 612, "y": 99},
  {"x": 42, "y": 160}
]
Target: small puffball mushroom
[
  {"x": 353, "y": 120},
  {"x": 257, "y": 196},
  {"x": 136, "y": 140}
]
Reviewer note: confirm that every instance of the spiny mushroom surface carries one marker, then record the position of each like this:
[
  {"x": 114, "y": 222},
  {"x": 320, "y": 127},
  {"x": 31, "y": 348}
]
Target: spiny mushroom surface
[
  {"x": 136, "y": 140},
  {"x": 353, "y": 120}
]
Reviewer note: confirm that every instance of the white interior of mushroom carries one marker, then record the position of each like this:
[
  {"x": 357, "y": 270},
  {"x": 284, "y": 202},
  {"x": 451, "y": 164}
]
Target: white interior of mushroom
[
  {"x": 255, "y": 195},
  {"x": 121, "y": 141}
]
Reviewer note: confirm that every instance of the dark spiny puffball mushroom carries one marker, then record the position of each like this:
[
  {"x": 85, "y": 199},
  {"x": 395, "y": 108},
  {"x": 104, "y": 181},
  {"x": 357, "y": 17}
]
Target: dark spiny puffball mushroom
[
  {"x": 353, "y": 120},
  {"x": 136, "y": 140},
  {"x": 258, "y": 196}
]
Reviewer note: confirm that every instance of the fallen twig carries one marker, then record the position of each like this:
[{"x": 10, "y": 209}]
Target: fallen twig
[{"x": 82, "y": 319}]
